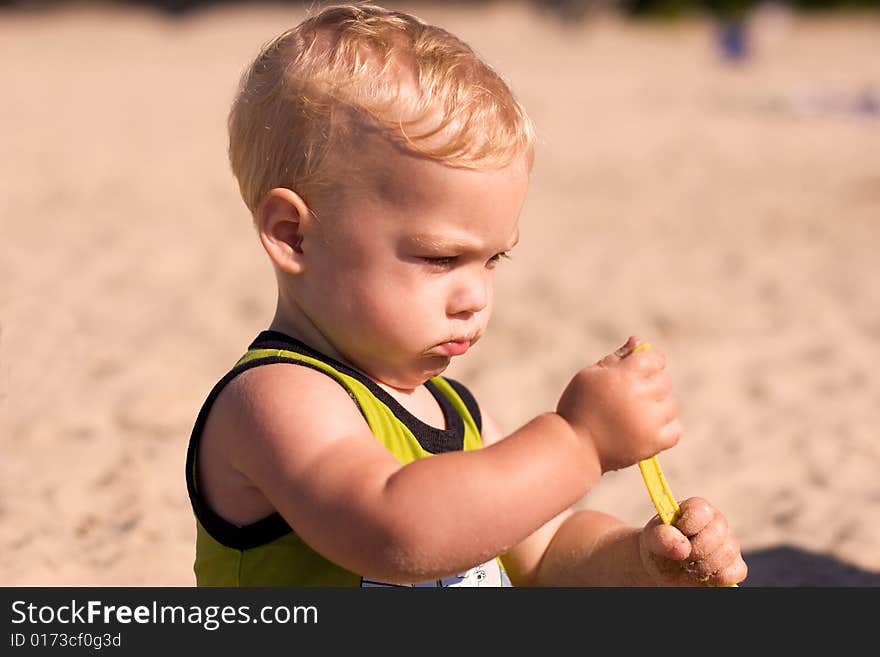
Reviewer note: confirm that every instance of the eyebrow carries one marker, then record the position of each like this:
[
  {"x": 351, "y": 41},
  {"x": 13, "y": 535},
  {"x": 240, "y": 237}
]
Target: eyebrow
[{"x": 441, "y": 243}]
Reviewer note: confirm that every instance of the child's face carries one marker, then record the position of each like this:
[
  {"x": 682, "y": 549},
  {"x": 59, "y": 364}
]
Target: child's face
[{"x": 399, "y": 269}]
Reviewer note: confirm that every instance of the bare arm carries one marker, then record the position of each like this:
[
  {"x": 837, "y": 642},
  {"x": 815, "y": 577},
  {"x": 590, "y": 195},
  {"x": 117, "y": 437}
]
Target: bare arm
[
  {"x": 575, "y": 548},
  {"x": 591, "y": 548},
  {"x": 312, "y": 455}
]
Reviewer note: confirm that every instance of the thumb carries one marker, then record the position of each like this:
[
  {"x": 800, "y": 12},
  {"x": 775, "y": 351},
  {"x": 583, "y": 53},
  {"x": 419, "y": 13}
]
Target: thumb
[
  {"x": 621, "y": 352},
  {"x": 627, "y": 347}
]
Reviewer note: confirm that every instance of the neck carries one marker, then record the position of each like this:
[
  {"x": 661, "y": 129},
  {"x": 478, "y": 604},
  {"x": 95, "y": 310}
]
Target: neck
[{"x": 290, "y": 320}]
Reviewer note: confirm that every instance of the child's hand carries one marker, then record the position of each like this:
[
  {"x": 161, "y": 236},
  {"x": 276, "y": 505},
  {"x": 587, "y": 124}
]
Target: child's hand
[
  {"x": 699, "y": 550},
  {"x": 624, "y": 405}
]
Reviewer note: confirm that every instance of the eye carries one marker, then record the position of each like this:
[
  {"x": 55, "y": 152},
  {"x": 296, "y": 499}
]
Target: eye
[
  {"x": 440, "y": 261},
  {"x": 498, "y": 257}
]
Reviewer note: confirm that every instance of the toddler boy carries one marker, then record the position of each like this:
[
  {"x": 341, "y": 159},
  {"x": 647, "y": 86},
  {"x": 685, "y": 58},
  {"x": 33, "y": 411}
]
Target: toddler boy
[{"x": 385, "y": 166}]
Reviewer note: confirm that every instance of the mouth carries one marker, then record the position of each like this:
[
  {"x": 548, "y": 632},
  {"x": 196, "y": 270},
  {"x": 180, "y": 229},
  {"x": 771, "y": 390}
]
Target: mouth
[
  {"x": 456, "y": 346},
  {"x": 453, "y": 347}
]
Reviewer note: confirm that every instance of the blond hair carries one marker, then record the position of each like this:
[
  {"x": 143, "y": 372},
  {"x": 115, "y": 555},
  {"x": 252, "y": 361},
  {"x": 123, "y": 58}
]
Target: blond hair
[{"x": 307, "y": 89}]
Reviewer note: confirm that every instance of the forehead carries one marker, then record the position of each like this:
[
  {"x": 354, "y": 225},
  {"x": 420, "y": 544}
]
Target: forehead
[{"x": 394, "y": 181}]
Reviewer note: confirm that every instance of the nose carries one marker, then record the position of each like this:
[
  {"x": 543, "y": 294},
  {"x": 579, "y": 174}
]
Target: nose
[{"x": 471, "y": 293}]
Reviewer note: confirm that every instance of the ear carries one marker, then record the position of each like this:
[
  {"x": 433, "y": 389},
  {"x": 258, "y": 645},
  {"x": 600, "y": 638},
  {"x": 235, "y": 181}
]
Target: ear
[{"x": 281, "y": 220}]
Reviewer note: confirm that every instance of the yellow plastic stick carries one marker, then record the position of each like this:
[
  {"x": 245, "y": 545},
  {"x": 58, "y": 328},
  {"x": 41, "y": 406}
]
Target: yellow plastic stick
[
  {"x": 662, "y": 497},
  {"x": 658, "y": 489}
]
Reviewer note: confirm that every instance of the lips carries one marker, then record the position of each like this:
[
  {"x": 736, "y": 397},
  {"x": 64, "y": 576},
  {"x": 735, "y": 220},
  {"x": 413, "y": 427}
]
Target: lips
[{"x": 454, "y": 347}]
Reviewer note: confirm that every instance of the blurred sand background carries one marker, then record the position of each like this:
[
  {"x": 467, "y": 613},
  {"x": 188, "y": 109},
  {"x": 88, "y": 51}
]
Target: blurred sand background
[{"x": 730, "y": 214}]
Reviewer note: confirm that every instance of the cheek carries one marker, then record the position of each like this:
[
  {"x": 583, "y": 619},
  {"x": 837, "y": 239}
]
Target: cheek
[
  {"x": 387, "y": 298},
  {"x": 413, "y": 307}
]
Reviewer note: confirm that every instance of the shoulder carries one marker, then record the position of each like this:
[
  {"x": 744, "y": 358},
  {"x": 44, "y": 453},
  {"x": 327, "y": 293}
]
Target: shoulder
[
  {"x": 293, "y": 432},
  {"x": 277, "y": 417},
  {"x": 265, "y": 399}
]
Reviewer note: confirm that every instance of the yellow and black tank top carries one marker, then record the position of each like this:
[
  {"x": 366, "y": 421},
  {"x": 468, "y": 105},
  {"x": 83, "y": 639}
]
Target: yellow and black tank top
[{"x": 269, "y": 552}]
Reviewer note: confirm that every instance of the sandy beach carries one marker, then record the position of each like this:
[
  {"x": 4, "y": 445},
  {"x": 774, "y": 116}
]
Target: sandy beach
[{"x": 729, "y": 214}]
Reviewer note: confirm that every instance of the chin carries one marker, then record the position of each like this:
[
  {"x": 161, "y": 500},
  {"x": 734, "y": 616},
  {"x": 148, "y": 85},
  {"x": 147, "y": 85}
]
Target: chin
[{"x": 436, "y": 366}]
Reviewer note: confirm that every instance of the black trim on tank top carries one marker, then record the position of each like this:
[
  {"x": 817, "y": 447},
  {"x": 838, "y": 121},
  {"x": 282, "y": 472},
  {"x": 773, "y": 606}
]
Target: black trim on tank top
[
  {"x": 273, "y": 526},
  {"x": 469, "y": 402}
]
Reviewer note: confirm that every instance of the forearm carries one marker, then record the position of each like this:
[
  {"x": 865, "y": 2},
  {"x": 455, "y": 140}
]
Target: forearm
[
  {"x": 593, "y": 549},
  {"x": 481, "y": 503}
]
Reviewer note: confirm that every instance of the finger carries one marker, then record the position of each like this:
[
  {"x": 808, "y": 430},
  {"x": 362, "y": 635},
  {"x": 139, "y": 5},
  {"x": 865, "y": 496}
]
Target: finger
[
  {"x": 666, "y": 410},
  {"x": 707, "y": 568},
  {"x": 735, "y": 573},
  {"x": 696, "y": 513},
  {"x": 660, "y": 386},
  {"x": 709, "y": 539},
  {"x": 670, "y": 434},
  {"x": 666, "y": 541}
]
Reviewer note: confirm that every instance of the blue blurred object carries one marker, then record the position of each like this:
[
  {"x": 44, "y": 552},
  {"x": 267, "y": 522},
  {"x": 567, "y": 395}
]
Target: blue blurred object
[{"x": 733, "y": 40}]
